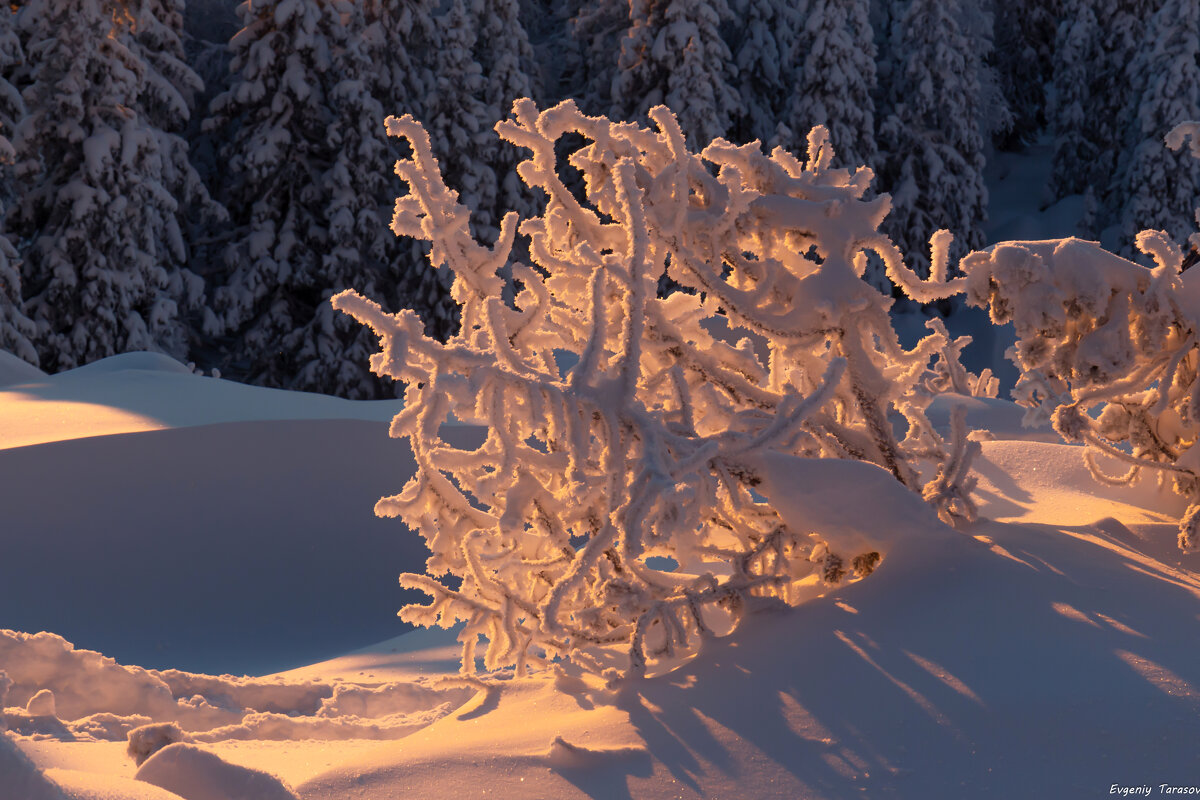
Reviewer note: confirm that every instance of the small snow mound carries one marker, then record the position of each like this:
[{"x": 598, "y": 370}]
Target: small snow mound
[
  {"x": 41, "y": 704},
  {"x": 149, "y": 739},
  {"x": 19, "y": 778},
  {"x": 151, "y": 362},
  {"x": 80, "y": 785},
  {"x": 564, "y": 755},
  {"x": 196, "y": 774},
  {"x": 15, "y": 370}
]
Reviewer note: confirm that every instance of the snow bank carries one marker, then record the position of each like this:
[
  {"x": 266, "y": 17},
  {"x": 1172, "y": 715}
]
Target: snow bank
[
  {"x": 148, "y": 391},
  {"x": 80, "y": 695},
  {"x": 82, "y": 785},
  {"x": 19, "y": 777},
  {"x": 196, "y": 774},
  {"x": 212, "y": 548},
  {"x": 975, "y": 665},
  {"x": 15, "y": 370}
]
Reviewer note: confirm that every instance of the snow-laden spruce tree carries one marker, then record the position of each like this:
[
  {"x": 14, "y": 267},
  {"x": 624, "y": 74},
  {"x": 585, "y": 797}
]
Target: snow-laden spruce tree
[
  {"x": 1109, "y": 350},
  {"x": 510, "y": 72},
  {"x": 402, "y": 41},
  {"x": 401, "y": 38},
  {"x": 623, "y": 425},
  {"x": 275, "y": 120},
  {"x": 1115, "y": 95},
  {"x": 353, "y": 201},
  {"x": 98, "y": 230},
  {"x": 673, "y": 53},
  {"x": 596, "y": 28},
  {"x": 1161, "y": 188},
  {"x": 1075, "y": 147},
  {"x": 17, "y": 331},
  {"x": 835, "y": 83},
  {"x": 765, "y": 48},
  {"x": 167, "y": 101},
  {"x": 931, "y": 142},
  {"x": 460, "y": 120},
  {"x": 1024, "y": 56},
  {"x": 303, "y": 181},
  {"x": 171, "y": 86}
]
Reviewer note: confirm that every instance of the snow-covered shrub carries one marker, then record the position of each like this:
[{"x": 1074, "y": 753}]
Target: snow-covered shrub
[
  {"x": 1109, "y": 350},
  {"x": 612, "y": 511}
]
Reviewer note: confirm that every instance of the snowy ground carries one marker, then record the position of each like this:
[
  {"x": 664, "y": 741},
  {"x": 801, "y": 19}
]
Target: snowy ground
[
  {"x": 202, "y": 526},
  {"x": 181, "y": 522}
]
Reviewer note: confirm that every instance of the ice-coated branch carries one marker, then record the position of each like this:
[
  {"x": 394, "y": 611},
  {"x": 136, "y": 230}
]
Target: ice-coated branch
[{"x": 611, "y": 515}]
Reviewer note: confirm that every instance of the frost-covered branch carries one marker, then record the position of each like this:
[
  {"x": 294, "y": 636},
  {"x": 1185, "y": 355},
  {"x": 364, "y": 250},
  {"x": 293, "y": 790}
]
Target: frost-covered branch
[
  {"x": 1107, "y": 351},
  {"x": 611, "y": 513}
]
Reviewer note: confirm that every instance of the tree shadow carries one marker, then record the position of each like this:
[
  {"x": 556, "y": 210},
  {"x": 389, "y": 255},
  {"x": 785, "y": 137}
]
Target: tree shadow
[{"x": 971, "y": 675}]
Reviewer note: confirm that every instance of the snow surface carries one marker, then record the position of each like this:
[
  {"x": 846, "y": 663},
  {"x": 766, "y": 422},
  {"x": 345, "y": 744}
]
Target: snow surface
[
  {"x": 1051, "y": 645},
  {"x": 210, "y": 505},
  {"x": 138, "y": 392}
]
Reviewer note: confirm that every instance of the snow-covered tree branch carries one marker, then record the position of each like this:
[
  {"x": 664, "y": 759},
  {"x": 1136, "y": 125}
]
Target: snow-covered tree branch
[
  {"x": 1108, "y": 349},
  {"x": 613, "y": 515}
]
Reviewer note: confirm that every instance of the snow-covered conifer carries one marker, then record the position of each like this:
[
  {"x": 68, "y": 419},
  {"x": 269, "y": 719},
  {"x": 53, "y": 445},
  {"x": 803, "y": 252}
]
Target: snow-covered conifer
[
  {"x": 506, "y": 58},
  {"x": 836, "y": 82},
  {"x": 1024, "y": 60},
  {"x": 1116, "y": 97},
  {"x": 1075, "y": 147},
  {"x": 932, "y": 144},
  {"x": 597, "y": 28},
  {"x": 673, "y": 53},
  {"x": 17, "y": 331},
  {"x": 461, "y": 121},
  {"x": 167, "y": 101},
  {"x": 402, "y": 42},
  {"x": 1160, "y": 188},
  {"x": 401, "y": 37},
  {"x": 170, "y": 86},
  {"x": 12, "y": 106},
  {"x": 359, "y": 250},
  {"x": 622, "y": 425},
  {"x": 769, "y": 62},
  {"x": 284, "y": 186},
  {"x": 99, "y": 231}
]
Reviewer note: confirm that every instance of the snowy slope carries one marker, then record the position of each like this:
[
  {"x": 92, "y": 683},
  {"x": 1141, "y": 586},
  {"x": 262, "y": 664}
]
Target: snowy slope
[
  {"x": 1050, "y": 647},
  {"x": 145, "y": 392},
  {"x": 1032, "y": 654},
  {"x": 231, "y": 521}
]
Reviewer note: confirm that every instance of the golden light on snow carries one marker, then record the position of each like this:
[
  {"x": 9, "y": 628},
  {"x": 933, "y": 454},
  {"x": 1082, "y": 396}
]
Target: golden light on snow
[{"x": 26, "y": 419}]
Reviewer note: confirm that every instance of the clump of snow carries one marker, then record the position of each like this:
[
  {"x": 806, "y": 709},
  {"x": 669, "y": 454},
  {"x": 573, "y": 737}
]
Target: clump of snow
[
  {"x": 79, "y": 695},
  {"x": 147, "y": 740},
  {"x": 197, "y": 774},
  {"x": 564, "y": 755},
  {"x": 41, "y": 704}
]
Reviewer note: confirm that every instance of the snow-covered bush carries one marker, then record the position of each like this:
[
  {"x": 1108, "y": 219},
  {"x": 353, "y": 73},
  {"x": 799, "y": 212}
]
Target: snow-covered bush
[
  {"x": 611, "y": 515},
  {"x": 1109, "y": 350}
]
